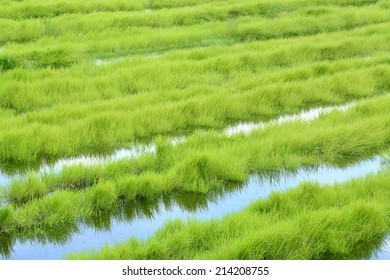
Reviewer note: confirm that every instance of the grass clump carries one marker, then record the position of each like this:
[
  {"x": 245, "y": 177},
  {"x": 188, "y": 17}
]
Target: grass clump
[
  {"x": 327, "y": 234},
  {"x": 25, "y": 189},
  {"x": 199, "y": 172},
  {"x": 101, "y": 197},
  {"x": 6, "y": 218},
  {"x": 59, "y": 210}
]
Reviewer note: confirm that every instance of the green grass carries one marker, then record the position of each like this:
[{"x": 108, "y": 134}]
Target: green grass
[
  {"x": 63, "y": 51},
  {"x": 186, "y": 67},
  {"x": 26, "y": 189},
  {"x": 37, "y": 9},
  {"x": 230, "y": 62},
  {"x": 205, "y": 162},
  {"x": 109, "y": 124},
  {"x": 36, "y": 28},
  {"x": 310, "y": 222}
]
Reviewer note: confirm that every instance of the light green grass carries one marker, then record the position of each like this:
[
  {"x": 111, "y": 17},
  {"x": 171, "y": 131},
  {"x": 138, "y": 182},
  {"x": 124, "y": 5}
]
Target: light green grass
[
  {"x": 193, "y": 67},
  {"x": 67, "y": 130},
  {"x": 311, "y": 222},
  {"x": 35, "y": 28},
  {"x": 206, "y": 161},
  {"x": 258, "y": 60},
  {"x": 71, "y": 48}
]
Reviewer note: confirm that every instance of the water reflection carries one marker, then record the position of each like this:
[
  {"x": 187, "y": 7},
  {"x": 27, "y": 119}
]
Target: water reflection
[
  {"x": 142, "y": 217},
  {"x": 383, "y": 251},
  {"x": 106, "y": 227},
  {"x": 58, "y": 237},
  {"x": 305, "y": 115}
]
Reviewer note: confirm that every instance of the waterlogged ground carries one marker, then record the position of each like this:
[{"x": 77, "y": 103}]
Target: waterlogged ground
[
  {"x": 117, "y": 117},
  {"x": 137, "y": 150},
  {"x": 145, "y": 217}
]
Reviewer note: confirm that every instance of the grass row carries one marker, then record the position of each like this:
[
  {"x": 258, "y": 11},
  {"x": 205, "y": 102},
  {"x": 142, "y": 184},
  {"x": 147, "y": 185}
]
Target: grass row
[
  {"x": 40, "y": 8},
  {"x": 345, "y": 221},
  {"x": 48, "y": 9},
  {"x": 93, "y": 128},
  {"x": 33, "y": 29},
  {"x": 217, "y": 66},
  {"x": 213, "y": 92},
  {"x": 71, "y": 48},
  {"x": 206, "y": 161}
]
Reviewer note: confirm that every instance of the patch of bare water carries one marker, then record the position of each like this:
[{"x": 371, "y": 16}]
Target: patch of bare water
[
  {"x": 109, "y": 61},
  {"x": 306, "y": 115}
]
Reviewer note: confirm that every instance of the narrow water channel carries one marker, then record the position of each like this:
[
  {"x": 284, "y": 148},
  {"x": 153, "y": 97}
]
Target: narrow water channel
[{"x": 143, "y": 219}]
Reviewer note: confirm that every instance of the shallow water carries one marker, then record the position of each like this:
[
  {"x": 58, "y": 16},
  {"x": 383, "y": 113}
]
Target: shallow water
[
  {"x": 5, "y": 179},
  {"x": 131, "y": 152},
  {"x": 306, "y": 115},
  {"x": 108, "y": 61},
  {"x": 145, "y": 218},
  {"x": 382, "y": 253},
  {"x": 137, "y": 150}
]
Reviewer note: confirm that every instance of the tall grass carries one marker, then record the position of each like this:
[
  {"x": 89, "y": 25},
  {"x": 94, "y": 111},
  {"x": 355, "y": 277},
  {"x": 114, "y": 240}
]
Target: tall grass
[
  {"x": 25, "y": 189},
  {"x": 6, "y": 215},
  {"x": 36, "y": 9},
  {"x": 180, "y": 91}
]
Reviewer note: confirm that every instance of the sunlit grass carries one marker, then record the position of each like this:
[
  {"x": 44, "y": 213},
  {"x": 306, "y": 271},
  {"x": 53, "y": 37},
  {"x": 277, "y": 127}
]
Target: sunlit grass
[
  {"x": 206, "y": 161},
  {"x": 310, "y": 222},
  {"x": 89, "y": 77}
]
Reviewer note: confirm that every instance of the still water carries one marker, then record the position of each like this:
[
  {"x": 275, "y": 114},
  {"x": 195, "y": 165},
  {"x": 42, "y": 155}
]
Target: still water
[{"x": 143, "y": 218}]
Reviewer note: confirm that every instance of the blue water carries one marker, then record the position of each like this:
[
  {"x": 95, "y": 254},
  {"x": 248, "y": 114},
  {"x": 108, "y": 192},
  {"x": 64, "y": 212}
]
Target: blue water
[{"x": 143, "y": 223}]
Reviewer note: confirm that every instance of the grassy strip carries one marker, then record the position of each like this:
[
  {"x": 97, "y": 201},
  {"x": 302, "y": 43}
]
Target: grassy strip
[
  {"x": 32, "y": 29},
  {"x": 105, "y": 128},
  {"x": 45, "y": 9},
  {"x": 232, "y": 74},
  {"x": 215, "y": 68},
  {"x": 71, "y": 48},
  {"x": 40, "y": 8},
  {"x": 204, "y": 162},
  {"x": 310, "y": 222},
  {"x": 59, "y": 124}
]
